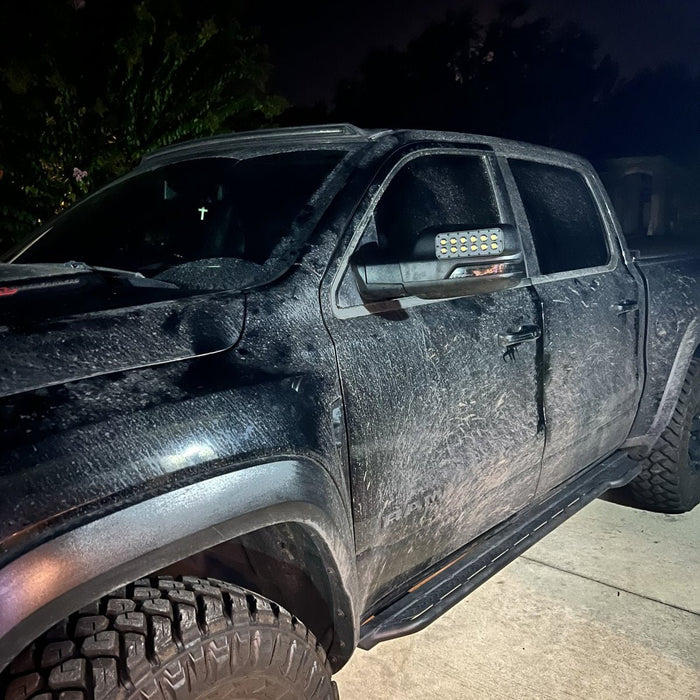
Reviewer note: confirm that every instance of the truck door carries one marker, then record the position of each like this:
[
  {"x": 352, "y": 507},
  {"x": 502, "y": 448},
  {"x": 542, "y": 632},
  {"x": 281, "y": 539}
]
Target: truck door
[
  {"x": 591, "y": 307},
  {"x": 442, "y": 421}
]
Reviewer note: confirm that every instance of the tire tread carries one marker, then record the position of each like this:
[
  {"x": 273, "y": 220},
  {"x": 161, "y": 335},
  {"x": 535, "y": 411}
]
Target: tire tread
[
  {"x": 163, "y": 639},
  {"x": 659, "y": 486}
]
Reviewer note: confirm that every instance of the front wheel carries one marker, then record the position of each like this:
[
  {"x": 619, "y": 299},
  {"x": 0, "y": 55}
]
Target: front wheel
[
  {"x": 670, "y": 477},
  {"x": 163, "y": 639}
]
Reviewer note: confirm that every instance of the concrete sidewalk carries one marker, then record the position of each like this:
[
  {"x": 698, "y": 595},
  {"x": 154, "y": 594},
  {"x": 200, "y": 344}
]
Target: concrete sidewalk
[{"x": 607, "y": 606}]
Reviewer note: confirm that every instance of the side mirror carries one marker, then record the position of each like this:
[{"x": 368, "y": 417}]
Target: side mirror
[{"x": 443, "y": 263}]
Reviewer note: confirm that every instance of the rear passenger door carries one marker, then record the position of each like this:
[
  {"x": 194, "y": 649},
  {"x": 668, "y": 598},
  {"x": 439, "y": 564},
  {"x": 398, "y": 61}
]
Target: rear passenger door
[{"x": 591, "y": 307}]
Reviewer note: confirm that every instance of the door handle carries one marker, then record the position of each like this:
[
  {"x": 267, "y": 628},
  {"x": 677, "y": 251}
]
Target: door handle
[
  {"x": 522, "y": 335},
  {"x": 625, "y": 307}
]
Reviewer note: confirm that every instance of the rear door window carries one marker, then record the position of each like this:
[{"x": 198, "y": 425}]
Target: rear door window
[{"x": 564, "y": 220}]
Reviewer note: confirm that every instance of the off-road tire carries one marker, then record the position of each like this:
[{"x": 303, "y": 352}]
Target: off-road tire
[
  {"x": 166, "y": 639},
  {"x": 670, "y": 478}
]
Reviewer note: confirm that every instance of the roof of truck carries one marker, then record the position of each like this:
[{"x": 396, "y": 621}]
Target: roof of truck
[{"x": 331, "y": 134}]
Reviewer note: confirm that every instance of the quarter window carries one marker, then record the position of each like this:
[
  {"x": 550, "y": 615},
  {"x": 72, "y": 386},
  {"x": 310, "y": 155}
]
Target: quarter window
[{"x": 564, "y": 219}]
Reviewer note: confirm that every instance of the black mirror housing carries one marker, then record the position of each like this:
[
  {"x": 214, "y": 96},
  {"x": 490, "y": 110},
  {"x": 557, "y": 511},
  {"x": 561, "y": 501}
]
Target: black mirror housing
[{"x": 443, "y": 264}]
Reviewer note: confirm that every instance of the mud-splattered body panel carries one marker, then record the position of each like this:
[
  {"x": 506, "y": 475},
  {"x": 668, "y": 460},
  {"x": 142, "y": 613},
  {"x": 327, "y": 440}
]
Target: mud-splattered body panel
[
  {"x": 72, "y": 451},
  {"x": 442, "y": 426},
  {"x": 591, "y": 378}
]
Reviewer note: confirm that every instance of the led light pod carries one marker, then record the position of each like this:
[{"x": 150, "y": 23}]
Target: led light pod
[{"x": 487, "y": 241}]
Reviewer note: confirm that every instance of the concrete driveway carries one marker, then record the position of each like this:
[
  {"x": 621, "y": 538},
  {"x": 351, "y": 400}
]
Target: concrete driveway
[{"x": 607, "y": 606}]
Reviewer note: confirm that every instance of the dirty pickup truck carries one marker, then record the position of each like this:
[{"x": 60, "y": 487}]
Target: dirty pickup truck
[{"x": 276, "y": 395}]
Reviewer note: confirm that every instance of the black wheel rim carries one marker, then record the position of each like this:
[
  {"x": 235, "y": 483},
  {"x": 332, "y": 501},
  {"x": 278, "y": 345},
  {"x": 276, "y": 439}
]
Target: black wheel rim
[{"x": 694, "y": 444}]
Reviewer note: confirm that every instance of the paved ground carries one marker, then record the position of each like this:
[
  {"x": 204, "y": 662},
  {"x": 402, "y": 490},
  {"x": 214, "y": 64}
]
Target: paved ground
[{"x": 607, "y": 606}]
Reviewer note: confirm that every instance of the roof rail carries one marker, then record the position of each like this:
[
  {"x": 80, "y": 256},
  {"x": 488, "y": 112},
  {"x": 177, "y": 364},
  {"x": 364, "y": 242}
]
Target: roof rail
[{"x": 312, "y": 133}]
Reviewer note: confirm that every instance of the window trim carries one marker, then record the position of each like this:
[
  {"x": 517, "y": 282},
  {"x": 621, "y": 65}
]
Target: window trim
[
  {"x": 591, "y": 181},
  {"x": 365, "y": 210}
]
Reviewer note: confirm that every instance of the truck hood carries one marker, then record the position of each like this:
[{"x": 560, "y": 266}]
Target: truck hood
[{"x": 59, "y": 326}]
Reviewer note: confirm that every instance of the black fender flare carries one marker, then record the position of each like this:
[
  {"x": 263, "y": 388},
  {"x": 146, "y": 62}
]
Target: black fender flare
[
  {"x": 687, "y": 349},
  {"x": 51, "y": 581}
]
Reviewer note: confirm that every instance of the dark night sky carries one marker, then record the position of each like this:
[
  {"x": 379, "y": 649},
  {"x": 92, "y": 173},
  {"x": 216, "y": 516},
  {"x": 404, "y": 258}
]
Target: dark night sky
[{"x": 315, "y": 43}]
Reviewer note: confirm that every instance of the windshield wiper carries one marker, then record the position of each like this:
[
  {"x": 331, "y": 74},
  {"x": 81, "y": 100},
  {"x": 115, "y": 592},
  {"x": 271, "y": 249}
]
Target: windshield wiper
[{"x": 135, "y": 279}]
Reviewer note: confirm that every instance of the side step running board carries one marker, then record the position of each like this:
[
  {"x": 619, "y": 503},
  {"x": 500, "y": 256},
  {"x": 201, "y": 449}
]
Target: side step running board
[{"x": 454, "y": 578}]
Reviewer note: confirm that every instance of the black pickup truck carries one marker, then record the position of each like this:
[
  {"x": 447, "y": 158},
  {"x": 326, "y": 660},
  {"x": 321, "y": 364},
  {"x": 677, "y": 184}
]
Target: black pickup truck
[{"x": 275, "y": 395}]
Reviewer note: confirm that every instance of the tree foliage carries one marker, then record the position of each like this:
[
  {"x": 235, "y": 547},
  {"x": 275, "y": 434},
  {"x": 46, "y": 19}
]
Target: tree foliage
[
  {"x": 518, "y": 78},
  {"x": 87, "y": 87},
  {"x": 527, "y": 79}
]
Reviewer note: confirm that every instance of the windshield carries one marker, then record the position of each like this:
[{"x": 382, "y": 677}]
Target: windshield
[{"x": 219, "y": 222}]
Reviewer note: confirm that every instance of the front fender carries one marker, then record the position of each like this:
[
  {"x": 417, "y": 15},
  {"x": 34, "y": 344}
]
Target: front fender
[{"x": 49, "y": 582}]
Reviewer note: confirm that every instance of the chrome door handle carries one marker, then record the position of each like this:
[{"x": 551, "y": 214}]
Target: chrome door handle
[
  {"x": 625, "y": 307},
  {"x": 522, "y": 335}
]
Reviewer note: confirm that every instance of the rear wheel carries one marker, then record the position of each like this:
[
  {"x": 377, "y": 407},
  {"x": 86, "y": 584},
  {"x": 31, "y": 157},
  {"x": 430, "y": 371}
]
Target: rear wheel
[
  {"x": 162, "y": 639},
  {"x": 670, "y": 478}
]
